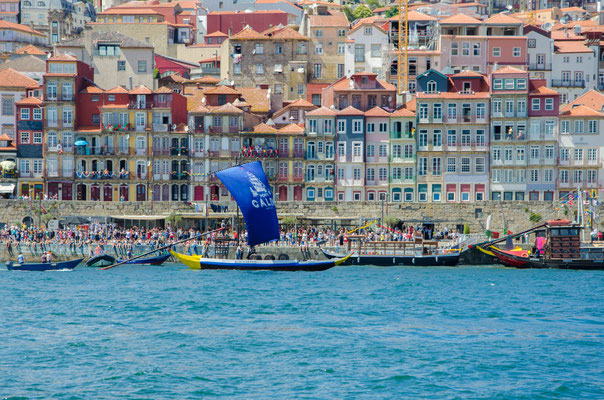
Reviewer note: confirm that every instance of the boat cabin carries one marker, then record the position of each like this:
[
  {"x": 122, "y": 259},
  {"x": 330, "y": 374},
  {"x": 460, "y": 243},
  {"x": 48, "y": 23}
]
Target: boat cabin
[{"x": 563, "y": 239}]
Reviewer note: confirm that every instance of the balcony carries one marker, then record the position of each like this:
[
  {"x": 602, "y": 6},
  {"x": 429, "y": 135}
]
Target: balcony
[
  {"x": 102, "y": 175},
  {"x": 259, "y": 152},
  {"x": 162, "y": 127},
  {"x": 179, "y": 151},
  {"x": 179, "y": 176},
  {"x": 140, "y": 128},
  {"x": 160, "y": 152},
  {"x": 298, "y": 178},
  {"x": 311, "y": 155},
  {"x": 9, "y": 175},
  {"x": 116, "y": 128},
  {"x": 201, "y": 153},
  {"x": 577, "y": 83},
  {"x": 94, "y": 151},
  {"x": 141, "y": 175},
  {"x": 140, "y": 152},
  {"x": 66, "y": 98},
  {"x": 540, "y": 66},
  {"x": 298, "y": 154}
]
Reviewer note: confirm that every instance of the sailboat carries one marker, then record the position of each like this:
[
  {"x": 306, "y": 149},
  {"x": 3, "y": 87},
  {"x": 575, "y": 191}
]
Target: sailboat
[{"x": 248, "y": 184}]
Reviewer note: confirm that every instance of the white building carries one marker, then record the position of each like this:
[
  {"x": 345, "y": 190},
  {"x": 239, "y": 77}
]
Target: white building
[
  {"x": 540, "y": 49},
  {"x": 13, "y": 88},
  {"x": 370, "y": 48},
  {"x": 574, "y": 69}
]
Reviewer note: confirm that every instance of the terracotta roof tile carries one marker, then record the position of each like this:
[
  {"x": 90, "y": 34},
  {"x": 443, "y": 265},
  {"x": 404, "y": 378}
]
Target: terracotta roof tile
[
  {"x": 257, "y": 98},
  {"x": 592, "y": 99},
  {"x": 333, "y": 20},
  {"x": 216, "y": 34},
  {"x": 176, "y": 78},
  {"x": 288, "y": 33},
  {"x": 403, "y": 112},
  {"x": 11, "y": 78},
  {"x": 509, "y": 70},
  {"x": 543, "y": 90},
  {"x": 92, "y": 89},
  {"x": 63, "y": 57},
  {"x": 227, "y": 108},
  {"x": 467, "y": 74},
  {"x": 264, "y": 128},
  {"x": 141, "y": 89},
  {"x": 350, "y": 110},
  {"x": 416, "y": 16},
  {"x": 571, "y": 47},
  {"x": 248, "y": 33},
  {"x": 207, "y": 79},
  {"x": 292, "y": 129},
  {"x": 18, "y": 27},
  {"x": 128, "y": 11},
  {"x": 117, "y": 89},
  {"x": 503, "y": 19},
  {"x": 460, "y": 19},
  {"x": 30, "y": 101},
  {"x": 299, "y": 103},
  {"x": 221, "y": 90},
  {"x": 377, "y": 112},
  {"x": 30, "y": 49},
  {"x": 163, "y": 90},
  {"x": 4, "y": 137},
  {"x": 321, "y": 112},
  {"x": 581, "y": 111}
]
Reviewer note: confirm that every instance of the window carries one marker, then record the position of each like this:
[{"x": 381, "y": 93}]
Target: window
[
  {"x": 317, "y": 71},
  {"x": 532, "y": 43},
  {"x": 480, "y": 111},
  {"x": 368, "y": 30},
  {"x": 423, "y": 112},
  {"x": 341, "y": 126},
  {"x": 480, "y": 165},
  {"x": 300, "y": 88},
  {"x": 507, "y": 154},
  {"x": 497, "y": 106},
  {"x": 8, "y": 105},
  {"x": 24, "y": 137},
  {"x": 24, "y": 113},
  {"x": 534, "y": 152},
  {"x": 496, "y": 51},
  {"x": 521, "y": 84},
  {"x": 592, "y": 155},
  {"x": 383, "y": 174},
  {"x": 422, "y": 140},
  {"x": 121, "y": 65},
  {"x": 370, "y": 174},
  {"x": 465, "y": 165},
  {"x": 578, "y": 155},
  {"x": 549, "y": 152},
  {"x": 359, "y": 53},
  {"x": 357, "y": 126},
  {"x": 37, "y": 114},
  {"x": 437, "y": 140},
  {"x": 549, "y": 104},
  {"x": 319, "y": 48},
  {"x": 579, "y": 126},
  {"x": 451, "y": 164},
  {"x": 67, "y": 116},
  {"x": 142, "y": 66},
  {"x": 476, "y": 51},
  {"x": 37, "y": 137},
  {"x": 237, "y": 69},
  {"x": 37, "y": 167},
  {"x": 370, "y": 150},
  {"x": 318, "y": 32},
  {"x": 278, "y": 48},
  {"x": 341, "y": 48},
  {"x": 397, "y": 173},
  {"x": 548, "y": 176},
  {"x": 451, "y": 138},
  {"x": 383, "y": 150},
  {"x": 341, "y": 32},
  {"x": 431, "y": 87},
  {"x": 496, "y": 154},
  {"x": 376, "y": 50},
  {"x": 356, "y": 174},
  {"x": 516, "y": 52},
  {"x": 454, "y": 48},
  {"x": 498, "y": 84},
  {"x": 565, "y": 126},
  {"x": 408, "y": 151},
  {"x": 259, "y": 69},
  {"x": 465, "y": 49},
  {"x": 437, "y": 111},
  {"x": 258, "y": 48},
  {"x": 521, "y": 107},
  {"x": 509, "y": 106},
  {"x": 592, "y": 126},
  {"x": 509, "y": 84},
  {"x": 422, "y": 166},
  {"x": 451, "y": 111},
  {"x": 301, "y": 48}
]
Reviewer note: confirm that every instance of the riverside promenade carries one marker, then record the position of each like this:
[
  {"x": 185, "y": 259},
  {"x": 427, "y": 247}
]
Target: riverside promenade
[{"x": 513, "y": 215}]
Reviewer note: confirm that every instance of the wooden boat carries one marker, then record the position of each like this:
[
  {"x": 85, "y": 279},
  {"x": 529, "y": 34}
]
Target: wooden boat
[
  {"x": 51, "y": 266},
  {"x": 198, "y": 262},
  {"x": 153, "y": 260},
  {"x": 100, "y": 260},
  {"x": 560, "y": 247},
  {"x": 420, "y": 253}
]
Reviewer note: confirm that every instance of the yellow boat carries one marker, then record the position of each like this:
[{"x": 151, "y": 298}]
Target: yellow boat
[{"x": 198, "y": 262}]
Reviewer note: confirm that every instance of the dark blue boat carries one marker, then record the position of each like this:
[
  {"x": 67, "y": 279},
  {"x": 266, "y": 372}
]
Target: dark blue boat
[
  {"x": 154, "y": 260},
  {"x": 64, "y": 265}
]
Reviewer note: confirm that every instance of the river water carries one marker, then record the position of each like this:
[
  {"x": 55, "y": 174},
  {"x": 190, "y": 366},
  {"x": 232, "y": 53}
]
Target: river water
[{"x": 141, "y": 332}]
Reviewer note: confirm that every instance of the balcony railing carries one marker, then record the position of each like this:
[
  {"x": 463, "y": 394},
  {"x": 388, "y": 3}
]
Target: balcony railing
[
  {"x": 140, "y": 152},
  {"x": 298, "y": 154},
  {"x": 578, "y": 83},
  {"x": 179, "y": 176},
  {"x": 179, "y": 151},
  {"x": 102, "y": 175},
  {"x": 160, "y": 152},
  {"x": 94, "y": 151},
  {"x": 540, "y": 66},
  {"x": 9, "y": 175}
]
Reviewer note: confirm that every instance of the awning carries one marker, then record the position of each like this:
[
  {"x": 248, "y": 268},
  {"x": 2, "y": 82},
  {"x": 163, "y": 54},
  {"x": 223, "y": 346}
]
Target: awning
[
  {"x": 140, "y": 217},
  {"x": 7, "y": 187}
]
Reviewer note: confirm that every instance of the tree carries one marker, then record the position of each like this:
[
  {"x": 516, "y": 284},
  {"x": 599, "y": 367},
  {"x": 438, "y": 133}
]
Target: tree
[
  {"x": 346, "y": 10},
  {"x": 173, "y": 219},
  {"x": 373, "y": 4},
  {"x": 289, "y": 221},
  {"x": 391, "y": 12},
  {"x": 391, "y": 221},
  {"x": 362, "y": 11},
  {"x": 466, "y": 229},
  {"x": 535, "y": 217}
]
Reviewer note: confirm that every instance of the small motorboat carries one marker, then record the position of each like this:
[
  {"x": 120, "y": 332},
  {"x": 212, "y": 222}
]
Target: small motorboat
[
  {"x": 100, "y": 260},
  {"x": 198, "y": 262},
  {"x": 51, "y": 266},
  {"x": 154, "y": 260}
]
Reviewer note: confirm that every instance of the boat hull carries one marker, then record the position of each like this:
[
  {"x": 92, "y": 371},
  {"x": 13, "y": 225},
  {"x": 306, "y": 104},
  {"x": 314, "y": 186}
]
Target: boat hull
[
  {"x": 448, "y": 260},
  {"x": 64, "y": 265},
  {"x": 515, "y": 261},
  {"x": 197, "y": 262},
  {"x": 157, "y": 260},
  {"x": 101, "y": 260}
]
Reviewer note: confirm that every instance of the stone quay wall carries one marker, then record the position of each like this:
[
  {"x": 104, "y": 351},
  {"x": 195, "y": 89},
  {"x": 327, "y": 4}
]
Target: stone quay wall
[{"x": 513, "y": 214}]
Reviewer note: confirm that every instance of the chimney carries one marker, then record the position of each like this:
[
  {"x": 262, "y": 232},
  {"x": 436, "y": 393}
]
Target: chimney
[{"x": 130, "y": 82}]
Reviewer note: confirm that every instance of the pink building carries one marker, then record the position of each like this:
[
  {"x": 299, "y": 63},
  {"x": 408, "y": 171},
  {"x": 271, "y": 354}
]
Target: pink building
[{"x": 231, "y": 22}]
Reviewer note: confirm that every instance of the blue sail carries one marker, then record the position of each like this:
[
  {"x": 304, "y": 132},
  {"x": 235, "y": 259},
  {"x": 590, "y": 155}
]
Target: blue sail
[{"x": 250, "y": 188}]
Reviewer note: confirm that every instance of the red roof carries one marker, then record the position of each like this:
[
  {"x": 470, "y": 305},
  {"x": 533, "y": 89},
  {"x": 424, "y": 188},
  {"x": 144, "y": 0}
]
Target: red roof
[
  {"x": 503, "y": 19},
  {"x": 11, "y": 78},
  {"x": 509, "y": 70},
  {"x": 334, "y": 20},
  {"x": 221, "y": 90},
  {"x": 19, "y": 27},
  {"x": 292, "y": 129},
  {"x": 117, "y": 89},
  {"x": 321, "y": 112},
  {"x": 460, "y": 19},
  {"x": 30, "y": 49},
  {"x": 377, "y": 112},
  {"x": 142, "y": 89},
  {"x": 30, "y": 101},
  {"x": 350, "y": 110}
]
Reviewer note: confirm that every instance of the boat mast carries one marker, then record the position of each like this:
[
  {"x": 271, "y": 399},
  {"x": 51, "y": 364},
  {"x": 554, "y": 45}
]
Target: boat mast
[{"x": 580, "y": 212}]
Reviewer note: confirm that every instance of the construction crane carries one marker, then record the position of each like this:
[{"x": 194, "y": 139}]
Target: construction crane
[
  {"x": 403, "y": 46},
  {"x": 530, "y": 7}
]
